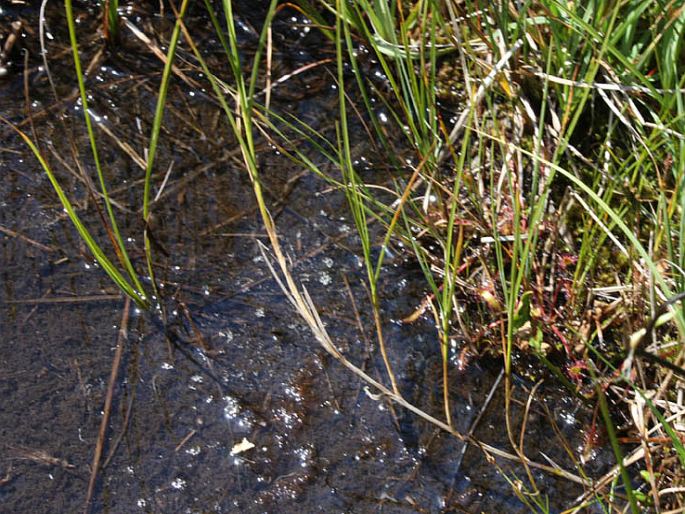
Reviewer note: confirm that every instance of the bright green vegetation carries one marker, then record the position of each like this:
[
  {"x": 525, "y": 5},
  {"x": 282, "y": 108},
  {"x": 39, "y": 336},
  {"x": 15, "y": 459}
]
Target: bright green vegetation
[
  {"x": 540, "y": 164},
  {"x": 553, "y": 198}
]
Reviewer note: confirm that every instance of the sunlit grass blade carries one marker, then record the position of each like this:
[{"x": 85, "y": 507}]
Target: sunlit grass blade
[
  {"x": 154, "y": 135},
  {"x": 117, "y": 240},
  {"x": 99, "y": 255}
]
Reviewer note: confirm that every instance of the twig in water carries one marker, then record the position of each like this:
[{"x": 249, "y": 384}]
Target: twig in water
[
  {"x": 12, "y": 233},
  {"x": 121, "y": 340}
]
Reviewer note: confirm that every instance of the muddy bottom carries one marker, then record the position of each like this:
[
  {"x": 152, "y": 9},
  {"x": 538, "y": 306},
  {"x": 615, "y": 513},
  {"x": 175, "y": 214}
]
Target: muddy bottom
[{"x": 229, "y": 404}]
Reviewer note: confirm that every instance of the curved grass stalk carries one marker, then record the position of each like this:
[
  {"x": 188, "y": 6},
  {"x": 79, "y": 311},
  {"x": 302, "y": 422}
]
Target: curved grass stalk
[
  {"x": 304, "y": 305},
  {"x": 115, "y": 235},
  {"x": 99, "y": 255}
]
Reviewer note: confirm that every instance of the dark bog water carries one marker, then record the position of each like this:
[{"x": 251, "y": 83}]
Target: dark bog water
[{"x": 234, "y": 361}]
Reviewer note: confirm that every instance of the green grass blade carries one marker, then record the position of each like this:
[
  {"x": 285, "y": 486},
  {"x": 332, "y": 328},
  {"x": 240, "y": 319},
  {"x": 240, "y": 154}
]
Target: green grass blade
[{"x": 118, "y": 242}]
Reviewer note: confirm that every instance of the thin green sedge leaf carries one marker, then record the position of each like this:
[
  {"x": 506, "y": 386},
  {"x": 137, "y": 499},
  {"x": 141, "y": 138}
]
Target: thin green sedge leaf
[{"x": 119, "y": 242}]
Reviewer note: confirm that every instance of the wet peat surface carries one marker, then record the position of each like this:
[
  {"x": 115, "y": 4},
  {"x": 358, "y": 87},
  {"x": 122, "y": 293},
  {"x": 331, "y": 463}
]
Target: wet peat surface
[{"x": 233, "y": 363}]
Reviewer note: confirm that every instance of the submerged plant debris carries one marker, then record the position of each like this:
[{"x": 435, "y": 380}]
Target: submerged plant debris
[{"x": 357, "y": 256}]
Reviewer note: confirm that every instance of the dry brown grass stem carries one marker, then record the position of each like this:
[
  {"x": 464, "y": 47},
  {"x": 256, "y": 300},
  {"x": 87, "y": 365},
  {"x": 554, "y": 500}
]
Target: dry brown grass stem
[
  {"x": 303, "y": 304},
  {"x": 97, "y": 454},
  {"x": 154, "y": 48}
]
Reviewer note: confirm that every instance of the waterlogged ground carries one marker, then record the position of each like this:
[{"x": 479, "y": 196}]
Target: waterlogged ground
[{"x": 233, "y": 364}]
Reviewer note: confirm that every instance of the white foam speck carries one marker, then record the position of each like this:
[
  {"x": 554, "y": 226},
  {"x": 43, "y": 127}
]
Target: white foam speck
[
  {"x": 178, "y": 483},
  {"x": 325, "y": 278}
]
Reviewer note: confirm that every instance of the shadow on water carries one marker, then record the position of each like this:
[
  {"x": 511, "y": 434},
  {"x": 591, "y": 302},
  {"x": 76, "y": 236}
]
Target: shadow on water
[{"x": 233, "y": 362}]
